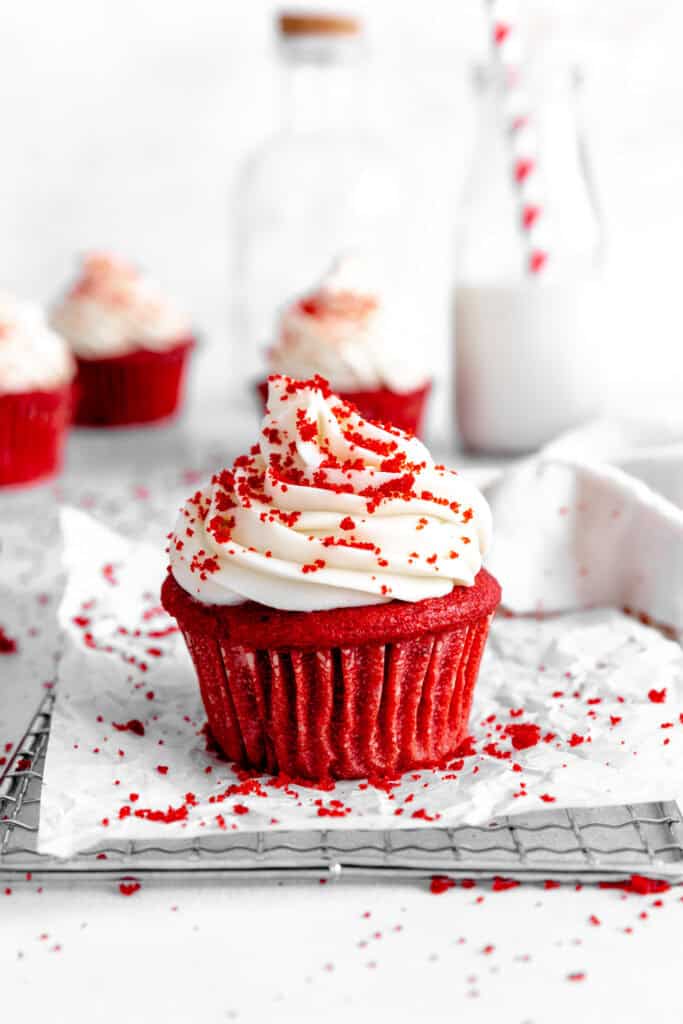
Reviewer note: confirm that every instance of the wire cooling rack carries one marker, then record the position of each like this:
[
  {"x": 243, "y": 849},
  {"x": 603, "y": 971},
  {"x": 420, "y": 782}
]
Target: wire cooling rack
[{"x": 568, "y": 845}]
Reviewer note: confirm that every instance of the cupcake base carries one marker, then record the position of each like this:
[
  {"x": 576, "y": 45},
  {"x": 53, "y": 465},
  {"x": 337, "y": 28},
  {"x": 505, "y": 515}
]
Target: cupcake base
[
  {"x": 356, "y": 692},
  {"x": 403, "y": 410},
  {"x": 139, "y": 387},
  {"x": 32, "y": 432}
]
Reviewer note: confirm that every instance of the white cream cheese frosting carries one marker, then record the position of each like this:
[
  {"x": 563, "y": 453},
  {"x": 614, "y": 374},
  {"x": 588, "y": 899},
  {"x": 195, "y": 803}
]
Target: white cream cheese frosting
[
  {"x": 32, "y": 356},
  {"x": 113, "y": 309},
  {"x": 329, "y": 510},
  {"x": 343, "y": 331}
]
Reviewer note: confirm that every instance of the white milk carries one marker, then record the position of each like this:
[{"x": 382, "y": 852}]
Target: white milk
[{"x": 529, "y": 362}]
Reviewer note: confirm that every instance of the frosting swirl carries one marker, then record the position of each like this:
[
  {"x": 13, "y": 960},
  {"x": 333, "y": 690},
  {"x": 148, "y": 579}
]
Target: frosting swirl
[
  {"x": 32, "y": 356},
  {"x": 342, "y": 331},
  {"x": 329, "y": 510},
  {"x": 112, "y": 310}
]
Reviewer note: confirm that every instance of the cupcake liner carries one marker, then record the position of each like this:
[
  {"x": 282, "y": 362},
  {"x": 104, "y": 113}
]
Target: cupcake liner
[
  {"x": 337, "y": 712},
  {"x": 32, "y": 433},
  {"x": 402, "y": 409},
  {"x": 139, "y": 387}
]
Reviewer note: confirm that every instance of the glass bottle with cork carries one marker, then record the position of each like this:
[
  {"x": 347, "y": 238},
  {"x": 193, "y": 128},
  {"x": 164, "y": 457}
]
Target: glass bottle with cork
[{"x": 324, "y": 184}]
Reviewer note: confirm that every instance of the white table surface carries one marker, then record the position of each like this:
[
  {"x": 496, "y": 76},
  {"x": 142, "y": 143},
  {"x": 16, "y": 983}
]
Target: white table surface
[{"x": 261, "y": 951}]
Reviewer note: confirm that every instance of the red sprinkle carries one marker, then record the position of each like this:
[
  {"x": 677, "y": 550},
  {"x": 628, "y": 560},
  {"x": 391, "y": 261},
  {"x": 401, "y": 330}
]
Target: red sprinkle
[
  {"x": 501, "y": 884},
  {"x": 523, "y": 735},
  {"x": 638, "y": 884},
  {"x": 440, "y": 884},
  {"x": 7, "y": 644},
  {"x": 128, "y": 888},
  {"x": 134, "y": 725}
]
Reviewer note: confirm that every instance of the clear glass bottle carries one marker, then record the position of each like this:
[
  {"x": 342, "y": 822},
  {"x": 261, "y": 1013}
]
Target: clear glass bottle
[
  {"x": 528, "y": 348},
  {"x": 321, "y": 186}
]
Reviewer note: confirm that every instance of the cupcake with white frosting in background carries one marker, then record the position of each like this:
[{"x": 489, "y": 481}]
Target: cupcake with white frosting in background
[
  {"x": 130, "y": 342},
  {"x": 351, "y": 331},
  {"x": 36, "y": 373},
  {"x": 330, "y": 590}
]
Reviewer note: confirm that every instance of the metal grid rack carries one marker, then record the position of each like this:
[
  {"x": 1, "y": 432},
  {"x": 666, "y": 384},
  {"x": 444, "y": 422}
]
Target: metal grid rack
[{"x": 568, "y": 845}]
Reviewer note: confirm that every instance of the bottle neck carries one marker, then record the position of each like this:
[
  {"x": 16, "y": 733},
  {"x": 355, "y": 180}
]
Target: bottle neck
[
  {"x": 490, "y": 239},
  {"x": 320, "y": 97}
]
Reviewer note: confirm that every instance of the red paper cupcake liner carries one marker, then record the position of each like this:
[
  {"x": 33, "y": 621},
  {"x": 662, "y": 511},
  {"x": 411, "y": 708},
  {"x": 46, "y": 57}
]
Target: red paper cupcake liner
[
  {"x": 139, "y": 387},
  {"x": 405, "y": 411},
  {"x": 32, "y": 432},
  {"x": 339, "y": 711}
]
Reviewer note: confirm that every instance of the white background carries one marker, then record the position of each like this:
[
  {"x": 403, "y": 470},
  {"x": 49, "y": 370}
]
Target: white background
[{"x": 123, "y": 125}]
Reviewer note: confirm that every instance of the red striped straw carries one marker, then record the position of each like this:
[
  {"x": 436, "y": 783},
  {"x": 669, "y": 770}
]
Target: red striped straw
[{"x": 521, "y": 137}]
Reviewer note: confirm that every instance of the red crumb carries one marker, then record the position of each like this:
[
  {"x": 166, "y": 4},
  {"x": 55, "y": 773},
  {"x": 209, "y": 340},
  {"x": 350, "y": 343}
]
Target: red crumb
[
  {"x": 134, "y": 725},
  {"x": 108, "y": 571},
  {"x": 440, "y": 884},
  {"x": 128, "y": 888},
  {"x": 576, "y": 976},
  {"x": 7, "y": 644},
  {"x": 523, "y": 735},
  {"x": 639, "y": 884},
  {"x": 657, "y": 696},
  {"x": 501, "y": 884},
  {"x": 422, "y": 814}
]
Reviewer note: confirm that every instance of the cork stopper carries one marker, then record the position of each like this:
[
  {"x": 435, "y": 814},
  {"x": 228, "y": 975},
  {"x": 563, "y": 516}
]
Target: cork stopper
[{"x": 318, "y": 23}]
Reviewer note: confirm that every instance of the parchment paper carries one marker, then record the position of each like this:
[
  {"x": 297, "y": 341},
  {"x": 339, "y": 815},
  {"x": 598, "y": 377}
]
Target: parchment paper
[{"x": 581, "y": 709}]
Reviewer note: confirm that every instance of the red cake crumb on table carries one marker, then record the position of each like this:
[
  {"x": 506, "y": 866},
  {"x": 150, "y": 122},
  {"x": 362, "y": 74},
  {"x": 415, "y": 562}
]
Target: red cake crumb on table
[
  {"x": 638, "y": 884},
  {"x": 134, "y": 725},
  {"x": 440, "y": 884},
  {"x": 129, "y": 888},
  {"x": 501, "y": 884},
  {"x": 7, "y": 644}
]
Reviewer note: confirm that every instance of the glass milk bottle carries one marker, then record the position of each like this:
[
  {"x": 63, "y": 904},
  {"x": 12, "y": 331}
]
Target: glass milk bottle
[
  {"x": 529, "y": 348},
  {"x": 321, "y": 186}
]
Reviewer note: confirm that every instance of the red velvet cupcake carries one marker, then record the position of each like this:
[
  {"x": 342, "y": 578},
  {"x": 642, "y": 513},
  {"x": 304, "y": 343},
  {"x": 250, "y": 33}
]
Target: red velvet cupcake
[
  {"x": 330, "y": 591},
  {"x": 131, "y": 346},
  {"x": 35, "y": 395},
  {"x": 346, "y": 332}
]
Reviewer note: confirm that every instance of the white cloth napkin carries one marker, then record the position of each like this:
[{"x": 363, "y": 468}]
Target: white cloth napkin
[{"x": 595, "y": 519}]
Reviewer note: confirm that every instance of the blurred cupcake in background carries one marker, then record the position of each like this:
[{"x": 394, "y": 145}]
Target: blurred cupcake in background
[
  {"x": 130, "y": 342},
  {"x": 36, "y": 371},
  {"x": 348, "y": 331}
]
